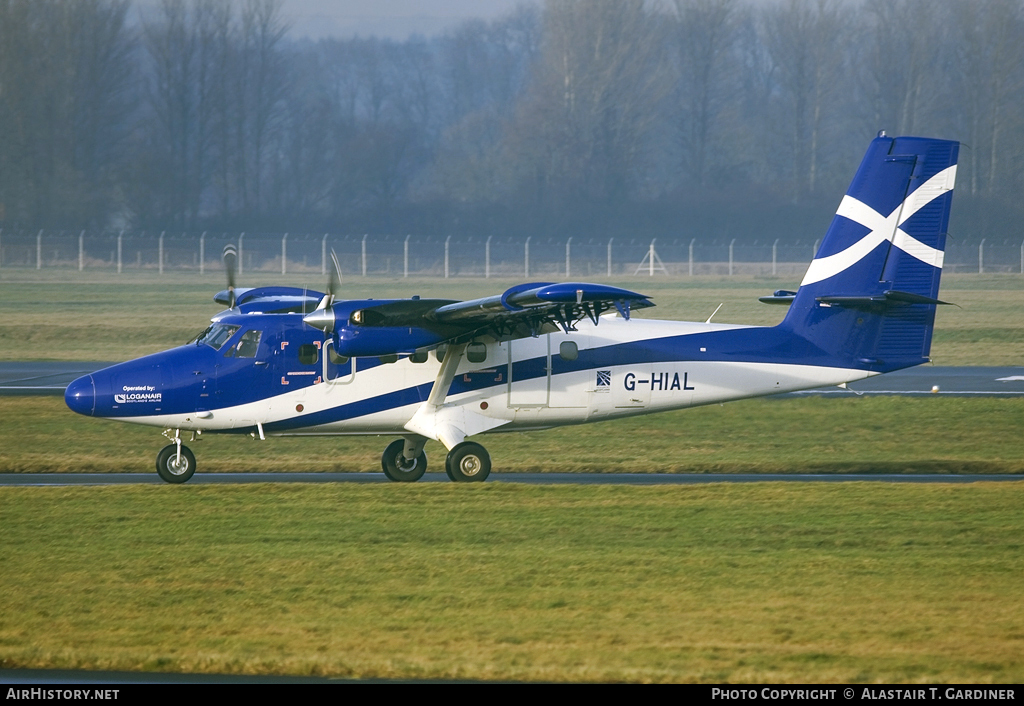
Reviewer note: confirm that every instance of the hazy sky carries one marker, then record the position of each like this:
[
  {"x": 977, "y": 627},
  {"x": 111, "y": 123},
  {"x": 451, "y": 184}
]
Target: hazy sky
[{"x": 397, "y": 19}]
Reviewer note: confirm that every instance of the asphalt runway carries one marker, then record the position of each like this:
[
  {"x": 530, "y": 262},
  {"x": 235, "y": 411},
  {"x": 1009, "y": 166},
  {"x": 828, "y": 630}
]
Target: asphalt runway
[
  {"x": 28, "y": 378},
  {"x": 65, "y": 479}
]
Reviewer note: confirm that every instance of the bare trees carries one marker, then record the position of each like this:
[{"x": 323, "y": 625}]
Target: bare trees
[
  {"x": 65, "y": 82},
  {"x": 805, "y": 40},
  {"x": 705, "y": 33},
  {"x": 581, "y": 126},
  {"x": 575, "y": 115},
  {"x": 215, "y": 86}
]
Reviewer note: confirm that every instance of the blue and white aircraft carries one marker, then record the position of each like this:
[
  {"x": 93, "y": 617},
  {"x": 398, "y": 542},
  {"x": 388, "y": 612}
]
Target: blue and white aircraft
[{"x": 284, "y": 361}]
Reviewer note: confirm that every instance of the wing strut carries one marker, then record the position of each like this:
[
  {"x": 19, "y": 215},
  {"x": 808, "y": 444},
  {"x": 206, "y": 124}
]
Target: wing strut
[
  {"x": 449, "y": 423},
  {"x": 446, "y": 374}
]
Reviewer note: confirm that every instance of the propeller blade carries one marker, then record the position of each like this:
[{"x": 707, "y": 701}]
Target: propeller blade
[
  {"x": 333, "y": 283},
  {"x": 231, "y": 267},
  {"x": 335, "y": 277}
]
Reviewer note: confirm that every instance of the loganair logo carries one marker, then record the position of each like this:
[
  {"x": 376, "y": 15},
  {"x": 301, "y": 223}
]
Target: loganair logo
[
  {"x": 884, "y": 228},
  {"x": 138, "y": 393}
]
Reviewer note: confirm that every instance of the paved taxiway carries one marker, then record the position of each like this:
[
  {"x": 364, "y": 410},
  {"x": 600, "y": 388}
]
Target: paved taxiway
[
  {"x": 27, "y": 378},
  {"x": 40, "y": 479}
]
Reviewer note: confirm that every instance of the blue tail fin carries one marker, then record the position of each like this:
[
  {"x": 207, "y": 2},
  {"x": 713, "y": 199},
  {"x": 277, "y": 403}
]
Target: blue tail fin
[{"x": 869, "y": 296}]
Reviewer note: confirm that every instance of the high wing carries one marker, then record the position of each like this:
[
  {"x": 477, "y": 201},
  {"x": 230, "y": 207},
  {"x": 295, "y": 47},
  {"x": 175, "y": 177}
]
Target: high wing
[{"x": 385, "y": 327}]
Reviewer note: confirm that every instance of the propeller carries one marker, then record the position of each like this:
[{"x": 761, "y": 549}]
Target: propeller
[
  {"x": 231, "y": 266},
  {"x": 322, "y": 317}
]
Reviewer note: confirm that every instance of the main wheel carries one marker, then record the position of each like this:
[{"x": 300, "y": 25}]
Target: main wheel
[
  {"x": 399, "y": 468},
  {"x": 173, "y": 470},
  {"x": 468, "y": 463}
]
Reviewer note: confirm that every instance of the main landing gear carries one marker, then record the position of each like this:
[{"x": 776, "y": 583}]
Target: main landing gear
[{"x": 403, "y": 461}]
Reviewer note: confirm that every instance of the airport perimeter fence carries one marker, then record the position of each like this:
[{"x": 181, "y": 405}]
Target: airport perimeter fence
[{"x": 409, "y": 256}]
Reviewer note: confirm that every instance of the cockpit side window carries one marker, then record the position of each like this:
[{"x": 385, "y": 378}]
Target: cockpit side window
[
  {"x": 246, "y": 347},
  {"x": 309, "y": 354},
  {"x": 216, "y": 335}
]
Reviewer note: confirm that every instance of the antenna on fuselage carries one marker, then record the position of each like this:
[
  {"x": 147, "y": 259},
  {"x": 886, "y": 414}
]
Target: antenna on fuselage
[{"x": 714, "y": 312}]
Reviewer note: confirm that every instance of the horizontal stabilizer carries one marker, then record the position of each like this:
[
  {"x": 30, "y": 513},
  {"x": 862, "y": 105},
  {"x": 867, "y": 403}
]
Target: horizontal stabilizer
[
  {"x": 781, "y": 296},
  {"x": 884, "y": 299}
]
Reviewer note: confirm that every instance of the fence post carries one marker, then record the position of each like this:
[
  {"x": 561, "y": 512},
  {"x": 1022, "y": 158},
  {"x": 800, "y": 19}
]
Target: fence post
[
  {"x": 363, "y": 248},
  {"x": 731, "y": 244},
  {"x": 487, "y": 257},
  {"x": 446, "y": 242},
  {"x": 202, "y": 253},
  {"x": 610, "y": 256},
  {"x": 240, "y": 239},
  {"x": 81, "y": 251},
  {"x": 981, "y": 257},
  {"x": 568, "y": 252},
  {"x": 405, "y": 256},
  {"x": 284, "y": 254},
  {"x": 526, "y": 257},
  {"x": 775, "y": 251},
  {"x": 39, "y": 250},
  {"x": 692, "y": 241}
]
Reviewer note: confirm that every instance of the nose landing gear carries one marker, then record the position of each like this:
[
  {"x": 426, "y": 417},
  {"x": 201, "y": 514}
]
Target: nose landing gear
[{"x": 175, "y": 466}]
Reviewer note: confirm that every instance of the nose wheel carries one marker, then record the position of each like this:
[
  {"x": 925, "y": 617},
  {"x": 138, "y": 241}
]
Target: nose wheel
[
  {"x": 468, "y": 463},
  {"x": 175, "y": 467}
]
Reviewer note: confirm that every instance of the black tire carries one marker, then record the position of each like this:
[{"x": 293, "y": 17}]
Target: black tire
[
  {"x": 168, "y": 467},
  {"x": 400, "y": 469},
  {"x": 468, "y": 463}
]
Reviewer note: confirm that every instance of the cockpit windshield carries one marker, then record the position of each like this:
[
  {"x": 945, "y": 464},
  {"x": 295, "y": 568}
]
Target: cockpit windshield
[{"x": 216, "y": 335}]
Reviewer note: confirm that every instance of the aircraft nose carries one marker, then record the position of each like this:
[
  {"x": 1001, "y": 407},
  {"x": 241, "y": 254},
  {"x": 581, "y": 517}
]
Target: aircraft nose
[{"x": 80, "y": 396}]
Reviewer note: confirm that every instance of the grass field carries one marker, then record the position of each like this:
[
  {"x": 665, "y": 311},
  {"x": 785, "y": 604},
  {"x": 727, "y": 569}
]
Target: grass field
[
  {"x": 815, "y": 435},
  {"x": 67, "y": 315},
  {"x": 853, "y": 582}
]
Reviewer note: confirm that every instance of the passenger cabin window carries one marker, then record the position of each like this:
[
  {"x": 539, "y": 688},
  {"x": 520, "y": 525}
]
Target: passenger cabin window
[
  {"x": 476, "y": 352},
  {"x": 309, "y": 354},
  {"x": 568, "y": 350},
  {"x": 216, "y": 335},
  {"x": 246, "y": 347}
]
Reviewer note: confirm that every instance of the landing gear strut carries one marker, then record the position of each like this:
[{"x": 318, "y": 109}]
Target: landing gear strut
[
  {"x": 468, "y": 463},
  {"x": 175, "y": 467},
  {"x": 401, "y": 469}
]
